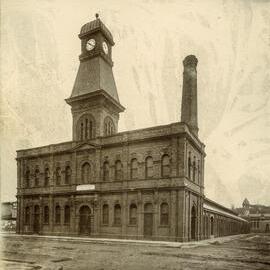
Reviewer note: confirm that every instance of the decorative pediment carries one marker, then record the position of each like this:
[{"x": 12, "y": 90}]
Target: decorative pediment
[{"x": 85, "y": 147}]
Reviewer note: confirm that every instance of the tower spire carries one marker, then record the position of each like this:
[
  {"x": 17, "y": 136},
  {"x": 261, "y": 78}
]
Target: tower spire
[{"x": 189, "y": 114}]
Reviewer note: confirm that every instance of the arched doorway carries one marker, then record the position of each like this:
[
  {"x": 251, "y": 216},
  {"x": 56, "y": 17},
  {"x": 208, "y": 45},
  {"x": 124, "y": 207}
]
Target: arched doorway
[
  {"x": 36, "y": 224},
  {"x": 193, "y": 223},
  {"x": 148, "y": 220},
  {"x": 211, "y": 225},
  {"x": 85, "y": 220},
  {"x": 267, "y": 228}
]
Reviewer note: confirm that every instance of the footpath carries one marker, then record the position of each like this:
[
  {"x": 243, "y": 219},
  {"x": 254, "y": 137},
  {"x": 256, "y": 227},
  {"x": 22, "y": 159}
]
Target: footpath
[{"x": 111, "y": 241}]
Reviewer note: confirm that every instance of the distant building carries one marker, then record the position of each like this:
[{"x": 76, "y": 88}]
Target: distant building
[
  {"x": 258, "y": 216},
  {"x": 140, "y": 184},
  {"x": 8, "y": 216}
]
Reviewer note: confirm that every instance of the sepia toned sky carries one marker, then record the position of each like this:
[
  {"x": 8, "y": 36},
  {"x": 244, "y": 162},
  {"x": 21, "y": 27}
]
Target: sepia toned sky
[{"x": 231, "y": 39}]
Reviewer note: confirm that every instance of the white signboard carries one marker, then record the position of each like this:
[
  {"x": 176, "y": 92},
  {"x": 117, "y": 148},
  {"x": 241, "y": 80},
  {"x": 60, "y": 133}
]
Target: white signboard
[{"x": 85, "y": 187}]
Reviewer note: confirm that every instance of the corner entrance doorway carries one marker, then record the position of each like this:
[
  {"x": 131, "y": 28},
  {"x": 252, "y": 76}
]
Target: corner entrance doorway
[
  {"x": 148, "y": 220},
  {"x": 193, "y": 223},
  {"x": 36, "y": 224},
  {"x": 85, "y": 220}
]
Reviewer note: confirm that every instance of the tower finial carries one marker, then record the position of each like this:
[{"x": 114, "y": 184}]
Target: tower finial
[{"x": 97, "y": 15}]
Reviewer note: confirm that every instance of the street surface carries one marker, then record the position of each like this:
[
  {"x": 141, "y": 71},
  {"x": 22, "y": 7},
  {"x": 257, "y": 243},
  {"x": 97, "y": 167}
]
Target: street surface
[{"x": 245, "y": 252}]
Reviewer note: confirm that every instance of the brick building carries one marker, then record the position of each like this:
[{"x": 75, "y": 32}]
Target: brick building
[
  {"x": 258, "y": 216},
  {"x": 146, "y": 183},
  {"x": 8, "y": 216}
]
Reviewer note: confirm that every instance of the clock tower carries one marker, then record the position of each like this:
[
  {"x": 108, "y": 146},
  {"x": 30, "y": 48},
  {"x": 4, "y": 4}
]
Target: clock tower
[{"x": 94, "y": 100}]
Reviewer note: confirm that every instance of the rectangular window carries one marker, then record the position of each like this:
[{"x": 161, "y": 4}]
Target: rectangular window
[
  {"x": 105, "y": 214},
  {"x": 67, "y": 214},
  {"x": 46, "y": 215},
  {"x": 133, "y": 215},
  {"x": 164, "y": 214},
  {"x": 117, "y": 215},
  {"x": 106, "y": 171},
  {"x": 134, "y": 169},
  {"x": 57, "y": 215},
  {"x": 27, "y": 216}
]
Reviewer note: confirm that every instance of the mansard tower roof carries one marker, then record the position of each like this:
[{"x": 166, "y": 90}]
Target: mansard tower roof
[{"x": 95, "y": 75}]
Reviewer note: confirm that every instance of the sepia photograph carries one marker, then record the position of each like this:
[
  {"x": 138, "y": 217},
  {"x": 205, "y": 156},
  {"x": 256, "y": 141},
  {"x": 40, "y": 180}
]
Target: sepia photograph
[{"x": 135, "y": 134}]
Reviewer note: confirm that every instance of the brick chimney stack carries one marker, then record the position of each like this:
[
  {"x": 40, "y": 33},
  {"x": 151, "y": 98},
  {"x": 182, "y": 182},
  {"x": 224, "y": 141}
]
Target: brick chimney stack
[{"x": 189, "y": 113}]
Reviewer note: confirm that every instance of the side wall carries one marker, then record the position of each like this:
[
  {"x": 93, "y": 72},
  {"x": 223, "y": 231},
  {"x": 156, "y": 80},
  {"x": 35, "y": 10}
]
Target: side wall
[{"x": 217, "y": 225}]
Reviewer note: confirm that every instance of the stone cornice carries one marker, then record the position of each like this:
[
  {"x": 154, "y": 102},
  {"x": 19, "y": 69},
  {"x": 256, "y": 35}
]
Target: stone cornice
[{"x": 122, "y": 138}]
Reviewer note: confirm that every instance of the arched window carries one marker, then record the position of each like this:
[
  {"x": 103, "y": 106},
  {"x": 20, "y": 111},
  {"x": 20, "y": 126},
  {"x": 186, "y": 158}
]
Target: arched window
[
  {"x": 118, "y": 170},
  {"x": 164, "y": 214},
  {"x": 199, "y": 172},
  {"x": 46, "y": 177},
  {"x": 117, "y": 214},
  {"x": 27, "y": 216},
  {"x": 134, "y": 169},
  {"x": 37, "y": 177},
  {"x": 58, "y": 176},
  {"x": 165, "y": 166},
  {"x": 133, "y": 214},
  {"x": 189, "y": 168},
  {"x": 57, "y": 214},
  {"x": 67, "y": 214},
  {"x": 86, "y": 172},
  {"x": 105, "y": 214},
  {"x": 81, "y": 131},
  {"x": 85, "y": 127},
  {"x": 68, "y": 175},
  {"x": 194, "y": 170},
  {"x": 46, "y": 215},
  {"x": 109, "y": 128},
  {"x": 106, "y": 171},
  {"x": 27, "y": 178},
  {"x": 149, "y": 167}
]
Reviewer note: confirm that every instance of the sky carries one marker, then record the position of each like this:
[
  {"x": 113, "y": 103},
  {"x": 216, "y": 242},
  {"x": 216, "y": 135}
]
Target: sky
[{"x": 231, "y": 39}]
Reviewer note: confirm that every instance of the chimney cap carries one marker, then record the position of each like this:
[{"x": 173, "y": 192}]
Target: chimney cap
[{"x": 190, "y": 60}]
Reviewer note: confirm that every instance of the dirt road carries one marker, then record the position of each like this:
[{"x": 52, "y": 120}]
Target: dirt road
[{"x": 245, "y": 252}]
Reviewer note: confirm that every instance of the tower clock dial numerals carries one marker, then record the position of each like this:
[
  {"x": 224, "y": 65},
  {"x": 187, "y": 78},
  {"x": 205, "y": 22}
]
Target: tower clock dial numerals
[
  {"x": 105, "y": 47},
  {"x": 90, "y": 45}
]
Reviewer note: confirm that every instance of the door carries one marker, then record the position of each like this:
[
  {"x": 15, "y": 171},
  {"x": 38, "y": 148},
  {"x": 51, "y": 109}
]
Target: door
[
  {"x": 36, "y": 219},
  {"x": 212, "y": 226},
  {"x": 193, "y": 223},
  {"x": 148, "y": 224},
  {"x": 85, "y": 220},
  {"x": 148, "y": 220}
]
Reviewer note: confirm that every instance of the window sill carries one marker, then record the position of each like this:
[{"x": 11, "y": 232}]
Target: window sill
[
  {"x": 132, "y": 225},
  {"x": 117, "y": 225}
]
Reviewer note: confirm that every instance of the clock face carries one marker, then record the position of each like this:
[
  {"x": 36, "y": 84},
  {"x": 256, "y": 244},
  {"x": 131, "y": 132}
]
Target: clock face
[
  {"x": 90, "y": 45},
  {"x": 105, "y": 47}
]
